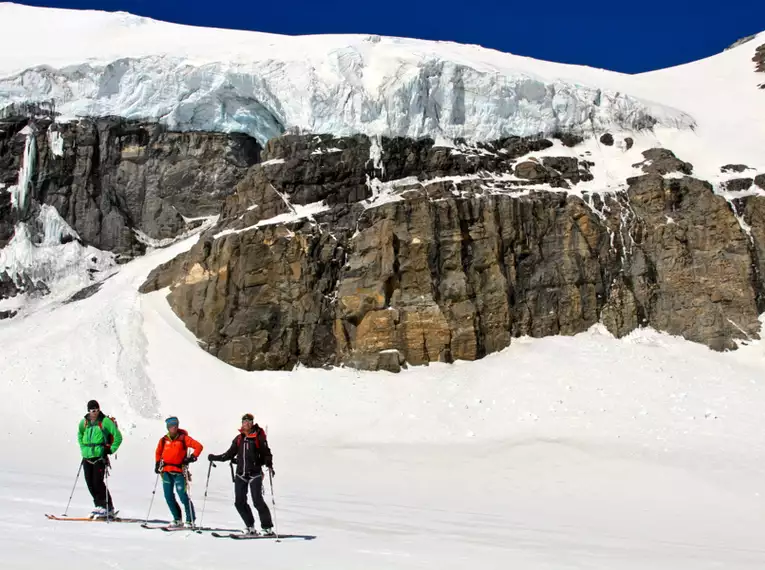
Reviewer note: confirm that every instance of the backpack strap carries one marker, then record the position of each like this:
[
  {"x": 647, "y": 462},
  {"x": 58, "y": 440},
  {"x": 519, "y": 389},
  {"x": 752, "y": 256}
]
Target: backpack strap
[{"x": 108, "y": 438}]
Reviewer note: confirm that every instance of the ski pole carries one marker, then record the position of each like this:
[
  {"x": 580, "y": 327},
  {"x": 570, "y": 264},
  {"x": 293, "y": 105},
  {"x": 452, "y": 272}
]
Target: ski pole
[
  {"x": 73, "y": 488},
  {"x": 273, "y": 501},
  {"x": 187, "y": 486},
  {"x": 204, "y": 501},
  {"x": 106, "y": 484},
  {"x": 153, "y": 493}
]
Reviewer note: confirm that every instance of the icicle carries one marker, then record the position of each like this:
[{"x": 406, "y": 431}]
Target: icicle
[{"x": 20, "y": 192}]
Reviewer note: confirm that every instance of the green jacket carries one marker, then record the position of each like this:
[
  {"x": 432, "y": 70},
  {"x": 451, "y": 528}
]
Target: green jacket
[{"x": 91, "y": 437}]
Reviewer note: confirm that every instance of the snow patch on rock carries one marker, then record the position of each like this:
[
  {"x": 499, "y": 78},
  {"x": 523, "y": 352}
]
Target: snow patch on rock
[{"x": 56, "y": 142}]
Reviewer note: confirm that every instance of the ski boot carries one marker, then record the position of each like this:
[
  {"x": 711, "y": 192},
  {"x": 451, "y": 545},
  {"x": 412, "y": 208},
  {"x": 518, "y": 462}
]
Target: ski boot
[
  {"x": 98, "y": 513},
  {"x": 267, "y": 532}
]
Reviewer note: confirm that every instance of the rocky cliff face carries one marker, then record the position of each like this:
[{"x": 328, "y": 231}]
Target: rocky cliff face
[
  {"x": 75, "y": 196},
  {"x": 107, "y": 177},
  {"x": 380, "y": 252}
]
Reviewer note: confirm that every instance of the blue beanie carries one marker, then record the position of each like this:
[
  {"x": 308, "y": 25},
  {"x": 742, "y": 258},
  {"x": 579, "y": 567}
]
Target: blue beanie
[{"x": 171, "y": 421}]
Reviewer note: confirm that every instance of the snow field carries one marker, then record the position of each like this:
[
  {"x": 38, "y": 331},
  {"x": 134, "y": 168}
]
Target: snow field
[{"x": 564, "y": 452}]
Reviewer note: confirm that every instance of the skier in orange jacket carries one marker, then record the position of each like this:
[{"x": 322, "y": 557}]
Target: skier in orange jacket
[{"x": 172, "y": 460}]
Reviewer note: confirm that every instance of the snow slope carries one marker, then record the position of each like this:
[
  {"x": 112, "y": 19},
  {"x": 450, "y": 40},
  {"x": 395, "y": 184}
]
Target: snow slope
[
  {"x": 721, "y": 93},
  {"x": 96, "y": 63},
  {"x": 557, "y": 453}
]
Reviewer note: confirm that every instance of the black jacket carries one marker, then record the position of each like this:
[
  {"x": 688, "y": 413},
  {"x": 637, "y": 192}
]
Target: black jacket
[{"x": 250, "y": 452}]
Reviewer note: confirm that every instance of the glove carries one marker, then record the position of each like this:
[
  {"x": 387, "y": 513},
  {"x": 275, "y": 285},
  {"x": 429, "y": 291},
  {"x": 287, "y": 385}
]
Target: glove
[
  {"x": 108, "y": 450},
  {"x": 156, "y": 467},
  {"x": 271, "y": 471},
  {"x": 213, "y": 457},
  {"x": 189, "y": 459}
]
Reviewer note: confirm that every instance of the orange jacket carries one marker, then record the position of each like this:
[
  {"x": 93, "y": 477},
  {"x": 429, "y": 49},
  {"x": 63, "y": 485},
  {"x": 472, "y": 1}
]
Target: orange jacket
[{"x": 172, "y": 452}]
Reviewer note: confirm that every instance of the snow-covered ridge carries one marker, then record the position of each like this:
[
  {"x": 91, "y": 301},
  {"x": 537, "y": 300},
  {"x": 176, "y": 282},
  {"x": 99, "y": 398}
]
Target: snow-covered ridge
[{"x": 263, "y": 84}]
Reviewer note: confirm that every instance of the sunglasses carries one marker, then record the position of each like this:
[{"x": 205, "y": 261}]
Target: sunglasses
[
  {"x": 94, "y": 410},
  {"x": 247, "y": 420}
]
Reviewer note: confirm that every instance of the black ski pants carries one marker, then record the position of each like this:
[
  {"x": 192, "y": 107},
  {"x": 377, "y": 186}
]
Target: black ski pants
[
  {"x": 94, "y": 477},
  {"x": 255, "y": 485}
]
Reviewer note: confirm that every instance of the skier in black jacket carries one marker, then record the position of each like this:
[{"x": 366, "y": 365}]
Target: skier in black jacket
[{"x": 250, "y": 452}]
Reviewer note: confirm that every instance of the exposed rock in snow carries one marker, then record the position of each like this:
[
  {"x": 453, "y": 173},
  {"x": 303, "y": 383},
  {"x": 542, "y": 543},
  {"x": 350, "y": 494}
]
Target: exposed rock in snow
[
  {"x": 741, "y": 41},
  {"x": 450, "y": 255},
  {"x": 663, "y": 161},
  {"x": 759, "y": 58},
  {"x": 738, "y": 184},
  {"x": 734, "y": 168}
]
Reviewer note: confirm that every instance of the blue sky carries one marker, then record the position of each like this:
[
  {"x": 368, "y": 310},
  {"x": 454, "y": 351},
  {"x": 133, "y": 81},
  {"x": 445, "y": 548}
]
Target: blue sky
[{"x": 624, "y": 36}]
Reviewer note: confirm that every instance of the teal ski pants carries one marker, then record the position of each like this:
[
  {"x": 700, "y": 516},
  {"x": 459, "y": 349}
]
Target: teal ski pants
[{"x": 177, "y": 482}]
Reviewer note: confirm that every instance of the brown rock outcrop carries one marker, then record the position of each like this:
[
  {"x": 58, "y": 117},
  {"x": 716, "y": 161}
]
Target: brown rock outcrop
[{"x": 415, "y": 269}]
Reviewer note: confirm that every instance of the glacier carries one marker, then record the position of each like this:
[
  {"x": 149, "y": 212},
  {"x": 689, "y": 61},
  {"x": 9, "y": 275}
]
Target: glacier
[
  {"x": 436, "y": 98},
  {"x": 264, "y": 85}
]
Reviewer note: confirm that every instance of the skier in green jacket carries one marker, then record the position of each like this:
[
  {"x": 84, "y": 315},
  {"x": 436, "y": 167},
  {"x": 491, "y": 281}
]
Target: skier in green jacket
[{"x": 98, "y": 437}]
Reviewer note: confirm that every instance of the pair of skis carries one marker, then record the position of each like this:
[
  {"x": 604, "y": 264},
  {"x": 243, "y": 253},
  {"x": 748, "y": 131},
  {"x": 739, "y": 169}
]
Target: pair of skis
[
  {"x": 216, "y": 532},
  {"x": 111, "y": 519},
  {"x": 221, "y": 532},
  {"x": 243, "y": 536},
  {"x": 174, "y": 528}
]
